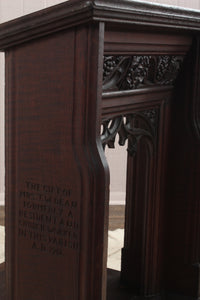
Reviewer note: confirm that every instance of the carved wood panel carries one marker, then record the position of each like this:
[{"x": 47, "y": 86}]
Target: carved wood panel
[
  {"x": 145, "y": 126},
  {"x": 132, "y": 127},
  {"x": 142, "y": 252},
  {"x": 133, "y": 72},
  {"x": 53, "y": 223}
]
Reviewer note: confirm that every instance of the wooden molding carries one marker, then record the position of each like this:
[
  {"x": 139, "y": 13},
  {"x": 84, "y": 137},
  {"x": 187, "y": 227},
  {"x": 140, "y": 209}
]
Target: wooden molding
[{"x": 68, "y": 14}]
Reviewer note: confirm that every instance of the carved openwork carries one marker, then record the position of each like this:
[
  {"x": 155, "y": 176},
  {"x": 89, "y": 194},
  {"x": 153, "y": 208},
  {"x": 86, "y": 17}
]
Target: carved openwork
[
  {"x": 133, "y": 72},
  {"x": 132, "y": 127}
]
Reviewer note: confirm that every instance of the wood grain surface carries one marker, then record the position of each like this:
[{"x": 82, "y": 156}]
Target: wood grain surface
[{"x": 57, "y": 177}]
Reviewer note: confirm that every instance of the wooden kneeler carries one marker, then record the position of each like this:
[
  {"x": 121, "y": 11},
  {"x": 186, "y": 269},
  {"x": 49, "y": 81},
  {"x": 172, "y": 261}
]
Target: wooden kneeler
[{"x": 133, "y": 68}]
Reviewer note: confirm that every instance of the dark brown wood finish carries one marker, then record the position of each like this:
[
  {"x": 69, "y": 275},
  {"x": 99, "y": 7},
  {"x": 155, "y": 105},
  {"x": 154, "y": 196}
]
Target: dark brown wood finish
[
  {"x": 2, "y": 281},
  {"x": 142, "y": 254},
  {"x": 53, "y": 152},
  {"x": 138, "y": 42},
  {"x": 114, "y": 13},
  {"x": 57, "y": 178},
  {"x": 183, "y": 231}
]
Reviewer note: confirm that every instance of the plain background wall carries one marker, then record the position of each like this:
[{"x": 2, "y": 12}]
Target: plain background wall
[{"x": 10, "y": 9}]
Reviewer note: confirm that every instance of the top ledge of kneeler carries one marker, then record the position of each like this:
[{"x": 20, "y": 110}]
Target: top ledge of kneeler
[{"x": 75, "y": 12}]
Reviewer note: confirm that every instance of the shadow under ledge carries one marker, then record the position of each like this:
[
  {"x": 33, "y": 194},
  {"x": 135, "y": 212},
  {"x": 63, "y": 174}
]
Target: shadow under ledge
[{"x": 115, "y": 291}]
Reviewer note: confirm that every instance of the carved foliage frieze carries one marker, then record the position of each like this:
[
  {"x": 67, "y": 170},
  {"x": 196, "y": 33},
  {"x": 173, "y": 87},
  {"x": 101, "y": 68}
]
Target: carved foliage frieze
[
  {"x": 132, "y": 127},
  {"x": 133, "y": 72}
]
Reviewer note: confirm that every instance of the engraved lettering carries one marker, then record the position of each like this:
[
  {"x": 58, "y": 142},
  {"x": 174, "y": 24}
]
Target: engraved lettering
[{"x": 48, "y": 217}]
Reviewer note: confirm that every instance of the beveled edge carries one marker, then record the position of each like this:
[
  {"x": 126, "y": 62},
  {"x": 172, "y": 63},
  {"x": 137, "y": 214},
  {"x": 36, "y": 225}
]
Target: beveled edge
[
  {"x": 147, "y": 14},
  {"x": 44, "y": 22},
  {"x": 74, "y": 12}
]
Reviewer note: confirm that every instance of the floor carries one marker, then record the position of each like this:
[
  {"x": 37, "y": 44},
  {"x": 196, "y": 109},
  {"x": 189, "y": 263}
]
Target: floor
[
  {"x": 116, "y": 216},
  {"x": 116, "y": 221},
  {"x": 2, "y": 216},
  {"x": 115, "y": 291}
]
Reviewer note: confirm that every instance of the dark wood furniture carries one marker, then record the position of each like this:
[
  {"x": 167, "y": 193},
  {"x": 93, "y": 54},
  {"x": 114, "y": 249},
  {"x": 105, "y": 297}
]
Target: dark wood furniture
[{"x": 134, "y": 68}]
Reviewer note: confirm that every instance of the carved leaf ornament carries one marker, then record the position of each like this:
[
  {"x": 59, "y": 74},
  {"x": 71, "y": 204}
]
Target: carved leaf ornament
[{"x": 133, "y": 72}]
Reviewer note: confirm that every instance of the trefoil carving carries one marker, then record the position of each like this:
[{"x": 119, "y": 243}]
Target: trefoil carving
[{"x": 132, "y": 127}]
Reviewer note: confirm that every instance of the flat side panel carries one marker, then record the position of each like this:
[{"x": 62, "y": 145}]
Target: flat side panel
[
  {"x": 44, "y": 178},
  {"x": 51, "y": 180}
]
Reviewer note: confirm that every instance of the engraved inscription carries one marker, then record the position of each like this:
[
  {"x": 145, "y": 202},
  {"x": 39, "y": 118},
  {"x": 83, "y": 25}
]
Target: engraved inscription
[{"x": 48, "y": 218}]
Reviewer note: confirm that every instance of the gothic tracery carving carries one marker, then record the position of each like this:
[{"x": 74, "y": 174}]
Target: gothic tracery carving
[{"x": 132, "y": 127}]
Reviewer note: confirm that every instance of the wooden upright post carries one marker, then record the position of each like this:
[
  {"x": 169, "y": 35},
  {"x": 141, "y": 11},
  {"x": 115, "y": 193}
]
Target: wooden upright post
[
  {"x": 133, "y": 67},
  {"x": 56, "y": 183}
]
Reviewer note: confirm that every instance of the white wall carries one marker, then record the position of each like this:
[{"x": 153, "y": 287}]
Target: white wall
[
  {"x": 10, "y": 9},
  {"x": 195, "y": 4},
  {"x": 117, "y": 159}
]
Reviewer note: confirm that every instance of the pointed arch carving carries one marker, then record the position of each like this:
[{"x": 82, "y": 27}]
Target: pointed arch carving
[{"x": 132, "y": 127}]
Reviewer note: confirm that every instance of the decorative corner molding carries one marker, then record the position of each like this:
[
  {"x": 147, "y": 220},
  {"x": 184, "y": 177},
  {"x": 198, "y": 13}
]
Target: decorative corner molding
[{"x": 133, "y": 72}]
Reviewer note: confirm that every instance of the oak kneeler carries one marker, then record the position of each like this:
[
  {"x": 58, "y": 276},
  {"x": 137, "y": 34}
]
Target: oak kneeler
[{"x": 81, "y": 76}]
